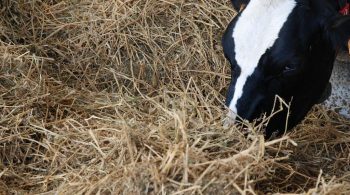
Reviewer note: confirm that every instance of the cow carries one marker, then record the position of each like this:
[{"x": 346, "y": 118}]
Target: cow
[{"x": 285, "y": 49}]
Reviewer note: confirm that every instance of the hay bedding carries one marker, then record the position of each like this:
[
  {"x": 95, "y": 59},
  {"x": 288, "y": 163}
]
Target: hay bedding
[{"x": 126, "y": 97}]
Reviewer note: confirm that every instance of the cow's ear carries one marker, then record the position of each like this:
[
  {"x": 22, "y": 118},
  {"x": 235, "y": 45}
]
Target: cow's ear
[
  {"x": 239, "y": 4},
  {"x": 338, "y": 31}
]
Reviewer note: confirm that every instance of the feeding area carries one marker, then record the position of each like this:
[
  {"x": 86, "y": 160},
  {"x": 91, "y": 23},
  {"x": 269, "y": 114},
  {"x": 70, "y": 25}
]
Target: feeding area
[{"x": 127, "y": 97}]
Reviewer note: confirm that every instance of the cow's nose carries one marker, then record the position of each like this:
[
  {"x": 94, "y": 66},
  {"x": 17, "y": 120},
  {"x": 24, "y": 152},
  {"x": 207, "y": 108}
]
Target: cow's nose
[{"x": 230, "y": 119}]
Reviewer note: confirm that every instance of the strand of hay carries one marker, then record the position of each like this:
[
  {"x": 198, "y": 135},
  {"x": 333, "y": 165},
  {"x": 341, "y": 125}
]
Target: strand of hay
[{"x": 126, "y": 97}]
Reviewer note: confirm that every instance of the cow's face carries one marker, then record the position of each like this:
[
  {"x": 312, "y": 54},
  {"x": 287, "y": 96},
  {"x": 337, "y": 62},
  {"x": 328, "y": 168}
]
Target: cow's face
[{"x": 284, "y": 48}]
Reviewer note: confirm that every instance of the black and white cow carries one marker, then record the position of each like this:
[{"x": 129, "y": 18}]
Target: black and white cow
[{"x": 285, "y": 48}]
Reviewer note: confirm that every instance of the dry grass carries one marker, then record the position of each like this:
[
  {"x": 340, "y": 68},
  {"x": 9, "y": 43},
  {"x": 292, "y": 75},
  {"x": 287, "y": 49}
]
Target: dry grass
[{"x": 126, "y": 97}]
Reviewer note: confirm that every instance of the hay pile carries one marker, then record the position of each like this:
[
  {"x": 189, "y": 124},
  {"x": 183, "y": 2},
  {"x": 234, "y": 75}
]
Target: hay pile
[{"x": 126, "y": 97}]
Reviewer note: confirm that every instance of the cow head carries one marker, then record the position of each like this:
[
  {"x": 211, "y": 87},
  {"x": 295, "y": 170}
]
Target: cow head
[{"x": 282, "y": 48}]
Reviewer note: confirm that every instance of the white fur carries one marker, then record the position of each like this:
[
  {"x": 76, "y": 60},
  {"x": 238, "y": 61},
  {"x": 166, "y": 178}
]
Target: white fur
[{"x": 256, "y": 30}]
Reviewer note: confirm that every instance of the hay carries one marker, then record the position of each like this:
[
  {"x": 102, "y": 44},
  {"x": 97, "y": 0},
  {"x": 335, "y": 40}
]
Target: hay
[{"x": 126, "y": 97}]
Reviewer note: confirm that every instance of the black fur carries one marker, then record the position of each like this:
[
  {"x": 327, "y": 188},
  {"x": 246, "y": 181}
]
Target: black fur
[{"x": 237, "y": 4}]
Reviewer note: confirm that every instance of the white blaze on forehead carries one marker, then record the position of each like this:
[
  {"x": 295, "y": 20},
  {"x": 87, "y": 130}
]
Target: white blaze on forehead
[{"x": 257, "y": 30}]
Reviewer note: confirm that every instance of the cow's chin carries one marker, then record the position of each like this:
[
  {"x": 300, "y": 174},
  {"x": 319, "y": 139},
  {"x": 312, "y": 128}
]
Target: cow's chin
[{"x": 230, "y": 119}]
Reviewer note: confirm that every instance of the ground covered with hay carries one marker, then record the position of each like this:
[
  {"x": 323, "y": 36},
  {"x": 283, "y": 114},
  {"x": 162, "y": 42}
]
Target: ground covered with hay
[{"x": 126, "y": 97}]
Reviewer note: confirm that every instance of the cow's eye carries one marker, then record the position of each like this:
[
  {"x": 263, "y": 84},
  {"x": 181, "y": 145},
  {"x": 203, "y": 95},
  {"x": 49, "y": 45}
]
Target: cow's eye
[{"x": 289, "y": 68}]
